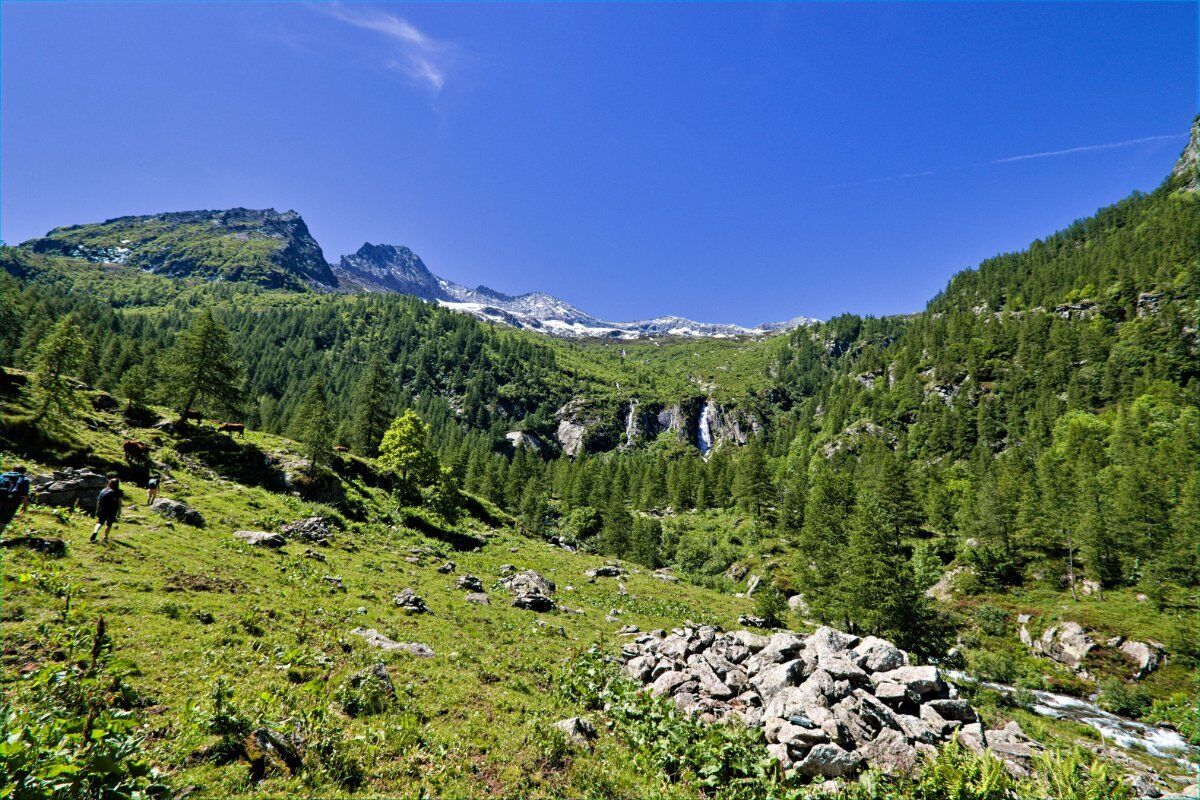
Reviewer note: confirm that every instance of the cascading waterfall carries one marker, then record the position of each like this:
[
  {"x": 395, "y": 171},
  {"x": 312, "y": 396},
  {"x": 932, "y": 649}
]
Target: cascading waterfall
[
  {"x": 630, "y": 427},
  {"x": 704, "y": 429}
]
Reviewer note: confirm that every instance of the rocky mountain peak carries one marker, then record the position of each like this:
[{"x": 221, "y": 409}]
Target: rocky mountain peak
[{"x": 389, "y": 268}]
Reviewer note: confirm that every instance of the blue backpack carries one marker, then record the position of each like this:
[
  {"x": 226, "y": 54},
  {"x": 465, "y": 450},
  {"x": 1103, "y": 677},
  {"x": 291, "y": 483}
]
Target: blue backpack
[{"x": 13, "y": 486}]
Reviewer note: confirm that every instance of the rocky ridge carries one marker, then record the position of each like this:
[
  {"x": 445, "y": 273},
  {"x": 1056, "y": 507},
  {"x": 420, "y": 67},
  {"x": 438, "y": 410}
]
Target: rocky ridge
[{"x": 830, "y": 703}]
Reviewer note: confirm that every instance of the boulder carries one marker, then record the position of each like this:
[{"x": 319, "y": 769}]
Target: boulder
[
  {"x": 829, "y": 761},
  {"x": 577, "y": 730},
  {"x": 261, "y": 539},
  {"x": 1146, "y": 656},
  {"x": 1067, "y": 643},
  {"x": 447, "y": 568},
  {"x": 478, "y": 598},
  {"x": 469, "y": 583},
  {"x": 891, "y": 752},
  {"x": 526, "y": 581},
  {"x": 922, "y": 680},
  {"x": 177, "y": 512},
  {"x": 374, "y": 638},
  {"x": 876, "y": 655},
  {"x": 606, "y": 571},
  {"x": 533, "y": 601}
]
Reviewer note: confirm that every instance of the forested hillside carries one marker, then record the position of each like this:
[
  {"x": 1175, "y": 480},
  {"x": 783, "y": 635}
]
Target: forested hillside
[{"x": 1020, "y": 455}]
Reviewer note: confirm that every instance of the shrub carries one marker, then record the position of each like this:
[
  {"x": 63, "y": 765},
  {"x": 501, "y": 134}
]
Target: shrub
[
  {"x": 1075, "y": 775},
  {"x": 1122, "y": 699},
  {"x": 991, "y": 620}
]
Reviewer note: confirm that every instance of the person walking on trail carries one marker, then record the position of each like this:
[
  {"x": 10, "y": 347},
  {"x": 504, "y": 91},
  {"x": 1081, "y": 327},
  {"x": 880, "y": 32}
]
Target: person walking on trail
[
  {"x": 151, "y": 489},
  {"x": 14, "y": 495},
  {"x": 108, "y": 507}
]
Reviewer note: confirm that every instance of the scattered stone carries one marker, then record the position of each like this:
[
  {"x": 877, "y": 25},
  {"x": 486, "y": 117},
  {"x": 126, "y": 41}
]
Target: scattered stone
[
  {"x": 797, "y": 605},
  {"x": 606, "y": 571},
  {"x": 1066, "y": 643},
  {"x": 577, "y": 729},
  {"x": 374, "y": 638},
  {"x": 410, "y": 602},
  {"x": 447, "y": 568},
  {"x": 533, "y": 601},
  {"x": 752, "y": 621},
  {"x": 335, "y": 582},
  {"x": 313, "y": 554},
  {"x": 531, "y": 591},
  {"x": 260, "y": 538},
  {"x": 314, "y": 530},
  {"x": 479, "y": 599},
  {"x": 628, "y": 630},
  {"x": 178, "y": 512},
  {"x": 469, "y": 583},
  {"x": 665, "y": 574},
  {"x": 736, "y": 572}
]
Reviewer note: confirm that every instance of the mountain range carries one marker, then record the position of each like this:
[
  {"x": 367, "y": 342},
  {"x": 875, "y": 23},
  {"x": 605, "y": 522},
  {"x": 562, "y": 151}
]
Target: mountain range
[{"x": 276, "y": 250}]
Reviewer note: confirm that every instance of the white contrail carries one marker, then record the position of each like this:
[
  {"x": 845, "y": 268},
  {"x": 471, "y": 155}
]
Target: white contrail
[{"x": 1087, "y": 148}]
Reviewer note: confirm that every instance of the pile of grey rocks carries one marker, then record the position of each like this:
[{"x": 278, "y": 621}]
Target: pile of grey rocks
[
  {"x": 530, "y": 590},
  {"x": 77, "y": 488},
  {"x": 314, "y": 530},
  {"x": 831, "y": 703}
]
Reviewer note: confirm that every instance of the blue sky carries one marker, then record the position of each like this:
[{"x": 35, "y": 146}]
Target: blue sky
[{"x": 728, "y": 162}]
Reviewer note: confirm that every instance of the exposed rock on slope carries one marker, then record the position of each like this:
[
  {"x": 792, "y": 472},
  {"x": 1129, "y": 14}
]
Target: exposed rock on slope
[
  {"x": 830, "y": 703},
  {"x": 1188, "y": 164}
]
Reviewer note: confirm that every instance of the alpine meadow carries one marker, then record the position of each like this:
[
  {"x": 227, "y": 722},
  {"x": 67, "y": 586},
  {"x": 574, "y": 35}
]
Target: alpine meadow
[{"x": 278, "y": 524}]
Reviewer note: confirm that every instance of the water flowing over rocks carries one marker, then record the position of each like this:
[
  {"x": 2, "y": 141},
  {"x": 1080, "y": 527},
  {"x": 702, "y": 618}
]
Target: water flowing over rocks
[{"x": 830, "y": 703}]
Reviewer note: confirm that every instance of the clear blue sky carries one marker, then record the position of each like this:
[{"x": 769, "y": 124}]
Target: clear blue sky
[{"x": 726, "y": 162}]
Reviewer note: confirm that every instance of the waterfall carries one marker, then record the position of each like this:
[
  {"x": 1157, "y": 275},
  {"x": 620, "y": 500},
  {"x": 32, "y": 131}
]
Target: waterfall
[
  {"x": 704, "y": 429},
  {"x": 630, "y": 426}
]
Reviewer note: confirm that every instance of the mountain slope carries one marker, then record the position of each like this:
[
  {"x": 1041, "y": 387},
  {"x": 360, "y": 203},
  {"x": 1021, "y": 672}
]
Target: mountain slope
[{"x": 267, "y": 248}]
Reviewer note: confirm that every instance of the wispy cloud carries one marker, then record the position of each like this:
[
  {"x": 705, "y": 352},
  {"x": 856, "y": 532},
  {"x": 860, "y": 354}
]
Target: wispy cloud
[
  {"x": 1088, "y": 148},
  {"x": 414, "y": 53}
]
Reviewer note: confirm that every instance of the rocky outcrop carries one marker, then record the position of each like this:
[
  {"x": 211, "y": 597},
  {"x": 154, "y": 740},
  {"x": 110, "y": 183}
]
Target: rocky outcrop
[
  {"x": 1186, "y": 168},
  {"x": 851, "y": 438},
  {"x": 583, "y": 428},
  {"x": 519, "y": 440},
  {"x": 578, "y": 730},
  {"x": 469, "y": 583},
  {"x": 177, "y": 512},
  {"x": 408, "y": 600},
  {"x": 73, "y": 488},
  {"x": 1146, "y": 656},
  {"x": 48, "y": 545},
  {"x": 830, "y": 703}
]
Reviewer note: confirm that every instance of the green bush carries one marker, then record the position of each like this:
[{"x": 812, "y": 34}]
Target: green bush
[{"x": 1123, "y": 699}]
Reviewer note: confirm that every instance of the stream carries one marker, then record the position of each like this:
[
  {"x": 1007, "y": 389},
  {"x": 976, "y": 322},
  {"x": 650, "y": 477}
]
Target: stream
[{"x": 1125, "y": 733}]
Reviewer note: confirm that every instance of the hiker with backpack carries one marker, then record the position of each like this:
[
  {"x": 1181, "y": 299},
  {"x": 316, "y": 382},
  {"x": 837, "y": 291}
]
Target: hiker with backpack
[
  {"x": 108, "y": 508},
  {"x": 14, "y": 495},
  {"x": 151, "y": 489}
]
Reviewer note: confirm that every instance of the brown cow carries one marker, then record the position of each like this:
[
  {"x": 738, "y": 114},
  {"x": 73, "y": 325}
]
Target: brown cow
[
  {"x": 135, "y": 450},
  {"x": 232, "y": 427},
  {"x": 341, "y": 448}
]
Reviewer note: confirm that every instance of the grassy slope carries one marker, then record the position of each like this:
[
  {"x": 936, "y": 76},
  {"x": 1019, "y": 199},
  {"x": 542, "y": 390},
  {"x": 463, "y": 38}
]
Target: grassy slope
[{"x": 468, "y": 719}]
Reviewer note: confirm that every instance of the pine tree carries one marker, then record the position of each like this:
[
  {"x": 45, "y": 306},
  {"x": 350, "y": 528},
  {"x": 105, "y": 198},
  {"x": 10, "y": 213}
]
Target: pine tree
[
  {"x": 646, "y": 545},
  {"x": 135, "y": 387},
  {"x": 822, "y": 542},
  {"x": 752, "y": 483},
  {"x": 371, "y": 406},
  {"x": 61, "y": 355},
  {"x": 618, "y": 529},
  {"x": 202, "y": 368}
]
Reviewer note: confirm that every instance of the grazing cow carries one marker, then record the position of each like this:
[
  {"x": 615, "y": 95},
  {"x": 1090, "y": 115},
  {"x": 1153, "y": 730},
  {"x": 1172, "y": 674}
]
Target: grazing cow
[
  {"x": 191, "y": 415},
  {"x": 232, "y": 427},
  {"x": 341, "y": 448},
  {"x": 135, "y": 450}
]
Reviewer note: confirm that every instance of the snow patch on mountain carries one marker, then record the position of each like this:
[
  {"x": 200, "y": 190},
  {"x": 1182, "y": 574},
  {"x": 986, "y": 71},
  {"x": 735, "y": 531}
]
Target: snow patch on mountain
[{"x": 388, "y": 268}]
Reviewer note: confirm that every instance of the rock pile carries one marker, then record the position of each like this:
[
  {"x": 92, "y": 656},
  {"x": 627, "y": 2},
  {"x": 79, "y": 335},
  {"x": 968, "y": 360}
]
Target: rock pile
[
  {"x": 530, "y": 591},
  {"x": 408, "y": 600},
  {"x": 76, "y": 488},
  {"x": 606, "y": 571},
  {"x": 830, "y": 703},
  {"x": 310, "y": 529}
]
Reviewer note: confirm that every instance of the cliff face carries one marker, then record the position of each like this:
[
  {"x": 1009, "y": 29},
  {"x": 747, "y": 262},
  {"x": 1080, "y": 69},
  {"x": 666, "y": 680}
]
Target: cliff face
[
  {"x": 696, "y": 421},
  {"x": 1187, "y": 168},
  {"x": 272, "y": 249}
]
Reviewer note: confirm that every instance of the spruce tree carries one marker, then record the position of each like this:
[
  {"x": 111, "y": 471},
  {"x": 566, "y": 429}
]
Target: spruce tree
[
  {"x": 372, "y": 407},
  {"x": 880, "y": 591},
  {"x": 201, "y": 367},
  {"x": 752, "y": 483}
]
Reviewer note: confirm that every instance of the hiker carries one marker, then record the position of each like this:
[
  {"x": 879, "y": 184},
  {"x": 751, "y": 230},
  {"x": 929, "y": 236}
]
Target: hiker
[
  {"x": 151, "y": 489},
  {"x": 108, "y": 506},
  {"x": 14, "y": 495}
]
